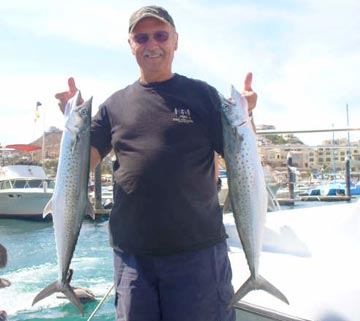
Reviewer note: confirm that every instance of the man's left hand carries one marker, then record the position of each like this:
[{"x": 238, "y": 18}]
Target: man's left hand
[{"x": 248, "y": 92}]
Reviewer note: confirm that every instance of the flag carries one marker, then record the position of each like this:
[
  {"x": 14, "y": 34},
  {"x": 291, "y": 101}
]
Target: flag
[{"x": 37, "y": 113}]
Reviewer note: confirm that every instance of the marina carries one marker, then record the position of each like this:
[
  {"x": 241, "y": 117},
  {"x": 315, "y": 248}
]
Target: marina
[
  {"x": 293, "y": 240},
  {"x": 305, "y": 246}
]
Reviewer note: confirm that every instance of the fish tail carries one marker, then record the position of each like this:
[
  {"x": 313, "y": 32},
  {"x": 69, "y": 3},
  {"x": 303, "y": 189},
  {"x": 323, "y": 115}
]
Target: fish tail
[
  {"x": 57, "y": 287},
  {"x": 70, "y": 294},
  {"x": 50, "y": 289},
  {"x": 259, "y": 283},
  {"x": 48, "y": 208}
]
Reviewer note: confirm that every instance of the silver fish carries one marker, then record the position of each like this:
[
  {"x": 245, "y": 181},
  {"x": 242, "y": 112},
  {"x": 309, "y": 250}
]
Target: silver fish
[
  {"x": 70, "y": 204},
  {"x": 247, "y": 189}
]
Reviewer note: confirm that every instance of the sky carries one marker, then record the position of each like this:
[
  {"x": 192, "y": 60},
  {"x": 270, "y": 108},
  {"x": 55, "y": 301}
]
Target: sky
[{"x": 304, "y": 56}]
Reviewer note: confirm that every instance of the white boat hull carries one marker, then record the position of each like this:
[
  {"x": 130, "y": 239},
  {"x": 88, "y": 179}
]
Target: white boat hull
[
  {"x": 24, "y": 191},
  {"x": 21, "y": 204}
]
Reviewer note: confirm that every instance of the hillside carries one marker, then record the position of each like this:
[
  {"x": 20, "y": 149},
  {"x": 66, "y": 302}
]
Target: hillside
[{"x": 52, "y": 145}]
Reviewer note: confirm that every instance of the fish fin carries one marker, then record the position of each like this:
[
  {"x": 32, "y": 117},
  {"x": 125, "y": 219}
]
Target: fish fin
[
  {"x": 257, "y": 284},
  {"x": 90, "y": 210},
  {"x": 238, "y": 136},
  {"x": 70, "y": 294},
  {"x": 50, "y": 289},
  {"x": 57, "y": 287},
  {"x": 48, "y": 208},
  {"x": 74, "y": 143}
]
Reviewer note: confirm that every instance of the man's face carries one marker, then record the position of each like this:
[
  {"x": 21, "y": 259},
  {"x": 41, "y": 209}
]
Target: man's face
[{"x": 153, "y": 43}]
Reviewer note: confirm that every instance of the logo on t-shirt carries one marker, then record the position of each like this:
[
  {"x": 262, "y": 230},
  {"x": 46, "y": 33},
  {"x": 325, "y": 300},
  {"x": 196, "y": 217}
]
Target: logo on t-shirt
[{"x": 183, "y": 115}]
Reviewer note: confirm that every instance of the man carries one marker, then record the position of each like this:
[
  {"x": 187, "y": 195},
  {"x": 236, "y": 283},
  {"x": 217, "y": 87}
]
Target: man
[{"x": 170, "y": 253}]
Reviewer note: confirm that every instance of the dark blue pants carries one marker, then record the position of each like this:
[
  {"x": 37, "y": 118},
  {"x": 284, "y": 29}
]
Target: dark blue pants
[{"x": 192, "y": 286}]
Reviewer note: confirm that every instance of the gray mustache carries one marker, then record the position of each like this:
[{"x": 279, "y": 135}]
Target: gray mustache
[{"x": 154, "y": 52}]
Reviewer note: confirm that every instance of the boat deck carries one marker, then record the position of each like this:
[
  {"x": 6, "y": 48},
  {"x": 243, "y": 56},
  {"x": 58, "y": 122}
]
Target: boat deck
[
  {"x": 251, "y": 312},
  {"x": 312, "y": 256}
]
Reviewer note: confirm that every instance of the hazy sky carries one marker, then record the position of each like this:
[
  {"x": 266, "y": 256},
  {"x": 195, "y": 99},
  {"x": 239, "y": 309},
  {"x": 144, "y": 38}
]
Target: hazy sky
[{"x": 305, "y": 57}]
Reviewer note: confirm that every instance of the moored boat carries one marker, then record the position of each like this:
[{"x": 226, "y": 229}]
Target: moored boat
[
  {"x": 355, "y": 189},
  {"x": 333, "y": 188},
  {"x": 24, "y": 189}
]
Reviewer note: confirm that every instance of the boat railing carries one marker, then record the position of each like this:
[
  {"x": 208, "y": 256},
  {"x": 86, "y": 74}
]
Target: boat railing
[
  {"x": 44, "y": 184},
  {"x": 305, "y": 131},
  {"x": 252, "y": 312}
]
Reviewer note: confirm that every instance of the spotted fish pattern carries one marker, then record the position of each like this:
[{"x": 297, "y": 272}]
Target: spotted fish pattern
[{"x": 247, "y": 189}]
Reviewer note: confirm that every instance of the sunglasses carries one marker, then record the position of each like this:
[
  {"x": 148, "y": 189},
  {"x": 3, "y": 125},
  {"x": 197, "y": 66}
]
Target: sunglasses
[{"x": 158, "y": 36}]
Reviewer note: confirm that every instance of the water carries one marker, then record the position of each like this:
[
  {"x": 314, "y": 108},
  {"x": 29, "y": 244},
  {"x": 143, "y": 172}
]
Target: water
[{"x": 32, "y": 266}]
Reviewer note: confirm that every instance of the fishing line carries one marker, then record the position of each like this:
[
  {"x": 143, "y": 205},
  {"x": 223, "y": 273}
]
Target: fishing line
[{"x": 100, "y": 303}]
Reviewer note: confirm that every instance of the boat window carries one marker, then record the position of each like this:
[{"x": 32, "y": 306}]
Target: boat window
[
  {"x": 51, "y": 184},
  {"x": 19, "y": 184},
  {"x": 35, "y": 183},
  {"x": 6, "y": 185}
]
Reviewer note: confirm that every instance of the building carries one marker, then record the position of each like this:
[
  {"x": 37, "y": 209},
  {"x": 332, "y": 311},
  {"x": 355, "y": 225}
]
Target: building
[{"x": 330, "y": 157}]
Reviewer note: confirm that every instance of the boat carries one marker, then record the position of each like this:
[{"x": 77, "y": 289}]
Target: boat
[
  {"x": 300, "y": 189},
  {"x": 25, "y": 189},
  {"x": 312, "y": 255},
  {"x": 333, "y": 188},
  {"x": 355, "y": 189}
]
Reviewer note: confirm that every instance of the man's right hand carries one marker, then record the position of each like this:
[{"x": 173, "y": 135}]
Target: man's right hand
[{"x": 65, "y": 96}]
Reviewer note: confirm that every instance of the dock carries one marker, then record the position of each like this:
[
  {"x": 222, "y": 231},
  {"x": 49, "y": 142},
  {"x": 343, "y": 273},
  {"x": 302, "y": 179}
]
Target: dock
[
  {"x": 313, "y": 198},
  {"x": 286, "y": 201},
  {"x": 101, "y": 213},
  {"x": 334, "y": 198}
]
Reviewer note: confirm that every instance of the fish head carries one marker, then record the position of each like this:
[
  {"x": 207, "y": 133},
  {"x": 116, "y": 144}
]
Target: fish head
[
  {"x": 79, "y": 117},
  {"x": 239, "y": 99},
  {"x": 235, "y": 109}
]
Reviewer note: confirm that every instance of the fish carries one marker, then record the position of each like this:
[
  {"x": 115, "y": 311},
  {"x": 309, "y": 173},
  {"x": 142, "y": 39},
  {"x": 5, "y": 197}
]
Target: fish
[
  {"x": 70, "y": 203},
  {"x": 247, "y": 189}
]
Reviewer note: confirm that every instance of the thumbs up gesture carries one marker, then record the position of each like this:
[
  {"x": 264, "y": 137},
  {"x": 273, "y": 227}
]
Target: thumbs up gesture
[
  {"x": 248, "y": 92},
  {"x": 64, "y": 96}
]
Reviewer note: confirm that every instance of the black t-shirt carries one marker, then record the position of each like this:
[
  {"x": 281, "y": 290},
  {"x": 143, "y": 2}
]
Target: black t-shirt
[{"x": 164, "y": 136}]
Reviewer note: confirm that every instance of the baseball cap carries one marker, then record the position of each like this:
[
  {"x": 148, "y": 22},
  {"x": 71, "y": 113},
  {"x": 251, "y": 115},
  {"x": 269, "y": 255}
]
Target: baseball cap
[{"x": 150, "y": 12}]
